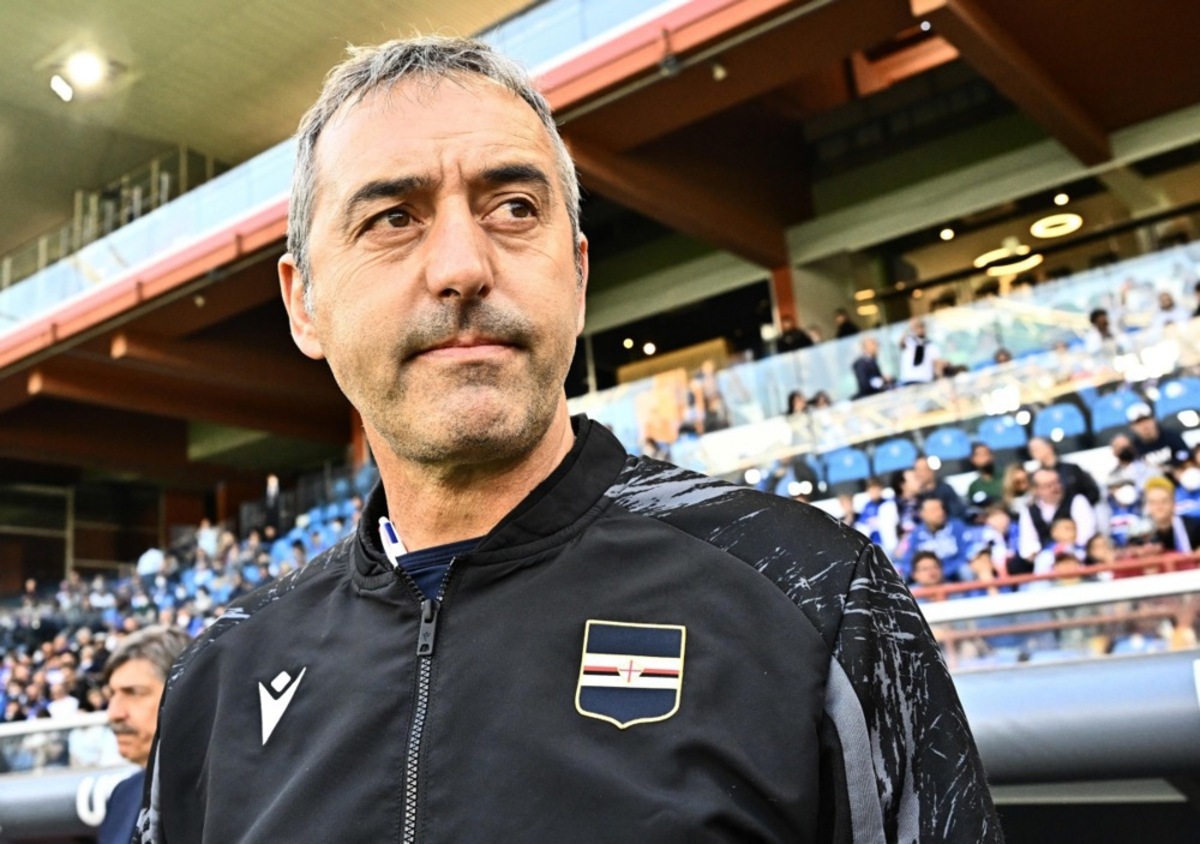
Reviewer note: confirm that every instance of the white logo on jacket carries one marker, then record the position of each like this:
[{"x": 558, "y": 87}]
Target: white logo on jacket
[{"x": 276, "y": 699}]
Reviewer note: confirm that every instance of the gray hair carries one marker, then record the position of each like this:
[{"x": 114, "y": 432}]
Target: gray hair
[
  {"x": 159, "y": 645},
  {"x": 369, "y": 69}
]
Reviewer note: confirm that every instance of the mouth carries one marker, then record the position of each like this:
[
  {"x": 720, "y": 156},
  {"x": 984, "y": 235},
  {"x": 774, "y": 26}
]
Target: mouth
[{"x": 467, "y": 348}]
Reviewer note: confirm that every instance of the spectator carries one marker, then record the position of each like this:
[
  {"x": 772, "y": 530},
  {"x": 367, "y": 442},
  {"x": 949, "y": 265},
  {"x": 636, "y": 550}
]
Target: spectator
[
  {"x": 927, "y": 571},
  {"x": 1187, "y": 493},
  {"x": 843, "y": 325},
  {"x": 986, "y": 487},
  {"x": 135, "y": 678},
  {"x": 1168, "y": 530},
  {"x": 1075, "y": 479},
  {"x": 1050, "y": 503},
  {"x": 898, "y": 516},
  {"x": 943, "y": 535},
  {"x": 791, "y": 337},
  {"x": 1002, "y": 355},
  {"x": 1168, "y": 313},
  {"x": 849, "y": 516},
  {"x": 1016, "y": 487},
  {"x": 920, "y": 358},
  {"x": 1101, "y": 338},
  {"x": 1158, "y": 447},
  {"x": 931, "y": 485},
  {"x": 1130, "y": 468},
  {"x": 1124, "y": 510},
  {"x": 1064, "y": 539},
  {"x": 983, "y": 570},
  {"x": 821, "y": 399},
  {"x": 797, "y": 402},
  {"x": 867, "y": 373},
  {"x": 999, "y": 535},
  {"x": 868, "y": 519}
]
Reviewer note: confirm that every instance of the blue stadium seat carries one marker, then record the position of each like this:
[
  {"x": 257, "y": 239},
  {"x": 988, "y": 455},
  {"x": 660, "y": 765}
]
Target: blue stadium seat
[
  {"x": 951, "y": 446},
  {"x": 341, "y": 488},
  {"x": 1003, "y": 434},
  {"x": 845, "y": 469},
  {"x": 331, "y": 512},
  {"x": 1177, "y": 396},
  {"x": 1063, "y": 424},
  {"x": 894, "y": 455},
  {"x": 1108, "y": 411}
]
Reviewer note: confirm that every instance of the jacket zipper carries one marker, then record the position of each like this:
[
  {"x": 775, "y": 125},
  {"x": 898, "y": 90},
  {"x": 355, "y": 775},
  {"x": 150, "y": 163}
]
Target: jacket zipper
[{"x": 426, "y": 638}]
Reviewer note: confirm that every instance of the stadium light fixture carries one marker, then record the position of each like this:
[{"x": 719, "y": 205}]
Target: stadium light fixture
[
  {"x": 649, "y": 349},
  {"x": 62, "y": 88},
  {"x": 946, "y": 234},
  {"x": 1061, "y": 199},
  {"x": 1056, "y": 225},
  {"x": 86, "y": 70}
]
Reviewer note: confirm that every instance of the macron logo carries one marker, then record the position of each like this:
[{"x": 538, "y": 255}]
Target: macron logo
[{"x": 275, "y": 700}]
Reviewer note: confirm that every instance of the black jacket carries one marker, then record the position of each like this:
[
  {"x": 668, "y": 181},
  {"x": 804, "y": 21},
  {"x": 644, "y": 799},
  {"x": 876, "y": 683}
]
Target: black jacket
[{"x": 752, "y": 671}]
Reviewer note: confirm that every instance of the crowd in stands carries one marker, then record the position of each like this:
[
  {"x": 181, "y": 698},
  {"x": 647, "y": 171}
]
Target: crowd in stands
[{"x": 54, "y": 642}]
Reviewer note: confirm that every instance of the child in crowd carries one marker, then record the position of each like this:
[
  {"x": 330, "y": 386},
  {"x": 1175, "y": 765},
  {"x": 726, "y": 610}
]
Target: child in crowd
[{"x": 1064, "y": 538}]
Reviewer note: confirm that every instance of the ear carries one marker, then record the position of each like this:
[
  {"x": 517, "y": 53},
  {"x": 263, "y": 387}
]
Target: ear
[
  {"x": 291, "y": 285},
  {"x": 582, "y": 246}
]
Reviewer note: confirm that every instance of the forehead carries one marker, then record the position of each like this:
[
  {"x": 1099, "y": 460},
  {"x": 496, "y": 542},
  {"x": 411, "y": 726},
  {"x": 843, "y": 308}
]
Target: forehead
[
  {"x": 426, "y": 127},
  {"x": 135, "y": 672}
]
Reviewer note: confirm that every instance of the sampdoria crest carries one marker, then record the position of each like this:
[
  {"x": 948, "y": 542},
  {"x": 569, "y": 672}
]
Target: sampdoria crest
[{"x": 630, "y": 673}]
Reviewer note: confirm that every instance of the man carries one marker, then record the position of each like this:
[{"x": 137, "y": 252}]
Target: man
[
  {"x": 499, "y": 653},
  {"x": 867, "y": 373},
  {"x": 941, "y": 534},
  {"x": 920, "y": 357},
  {"x": 1101, "y": 338},
  {"x": 791, "y": 336},
  {"x": 843, "y": 325},
  {"x": 1075, "y": 479},
  {"x": 1159, "y": 447},
  {"x": 929, "y": 484},
  {"x": 134, "y": 678},
  {"x": 1049, "y": 504}
]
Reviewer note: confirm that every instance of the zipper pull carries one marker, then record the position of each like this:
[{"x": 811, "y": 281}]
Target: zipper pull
[{"x": 428, "y": 631}]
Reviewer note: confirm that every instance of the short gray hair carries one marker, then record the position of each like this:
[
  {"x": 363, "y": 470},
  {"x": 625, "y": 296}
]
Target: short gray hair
[
  {"x": 373, "y": 68},
  {"x": 158, "y": 644}
]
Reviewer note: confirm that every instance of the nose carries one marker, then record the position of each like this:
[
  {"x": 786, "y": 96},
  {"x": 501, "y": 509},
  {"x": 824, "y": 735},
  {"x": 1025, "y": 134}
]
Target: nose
[{"x": 457, "y": 259}]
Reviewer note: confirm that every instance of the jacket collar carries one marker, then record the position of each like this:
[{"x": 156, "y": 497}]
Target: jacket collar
[{"x": 557, "y": 509}]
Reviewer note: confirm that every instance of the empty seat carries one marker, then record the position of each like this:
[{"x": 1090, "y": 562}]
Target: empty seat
[
  {"x": 1003, "y": 435},
  {"x": 1063, "y": 424},
  {"x": 1176, "y": 397},
  {"x": 952, "y": 446},
  {"x": 845, "y": 469},
  {"x": 894, "y": 455},
  {"x": 1108, "y": 412}
]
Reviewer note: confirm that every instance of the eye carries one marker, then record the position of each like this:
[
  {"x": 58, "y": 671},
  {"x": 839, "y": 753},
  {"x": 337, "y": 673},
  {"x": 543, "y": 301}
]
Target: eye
[
  {"x": 396, "y": 218},
  {"x": 520, "y": 209}
]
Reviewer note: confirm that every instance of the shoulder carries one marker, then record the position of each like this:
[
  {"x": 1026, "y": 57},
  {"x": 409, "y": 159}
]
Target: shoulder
[{"x": 808, "y": 555}]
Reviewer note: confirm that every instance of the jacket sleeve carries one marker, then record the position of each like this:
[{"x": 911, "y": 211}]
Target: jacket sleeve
[{"x": 898, "y": 751}]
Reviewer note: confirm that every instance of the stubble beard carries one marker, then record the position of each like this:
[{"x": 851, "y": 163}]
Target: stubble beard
[{"x": 475, "y": 413}]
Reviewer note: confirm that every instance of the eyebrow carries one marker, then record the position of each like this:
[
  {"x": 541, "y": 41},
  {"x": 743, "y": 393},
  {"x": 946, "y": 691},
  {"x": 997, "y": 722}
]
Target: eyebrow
[
  {"x": 507, "y": 174},
  {"x": 379, "y": 189}
]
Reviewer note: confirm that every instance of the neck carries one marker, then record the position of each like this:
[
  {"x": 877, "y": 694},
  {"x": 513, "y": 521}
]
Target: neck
[{"x": 434, "y": 505}]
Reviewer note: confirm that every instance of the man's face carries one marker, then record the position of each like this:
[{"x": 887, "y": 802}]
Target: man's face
[
  {"x": 1145, "y": 429},
  {"x": 870, "y": 347},
  {"x": 933, "y": 513},
  {"x": 445, "y": 291},
  {"x": 1160, "y": 506},
  {"x": 1047, "y": 487},
  {"x": 927, "y": 572},
  {"x": 1041, "y": 451},
  {"x": 134, "y": 692}
]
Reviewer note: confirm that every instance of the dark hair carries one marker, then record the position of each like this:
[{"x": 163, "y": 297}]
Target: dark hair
[
  {"x": 926, "y": 555},
  {"x": 158, "y": 644}
]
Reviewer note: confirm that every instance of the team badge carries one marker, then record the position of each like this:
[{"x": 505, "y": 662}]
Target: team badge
[{"x": 630, "y": 673}]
